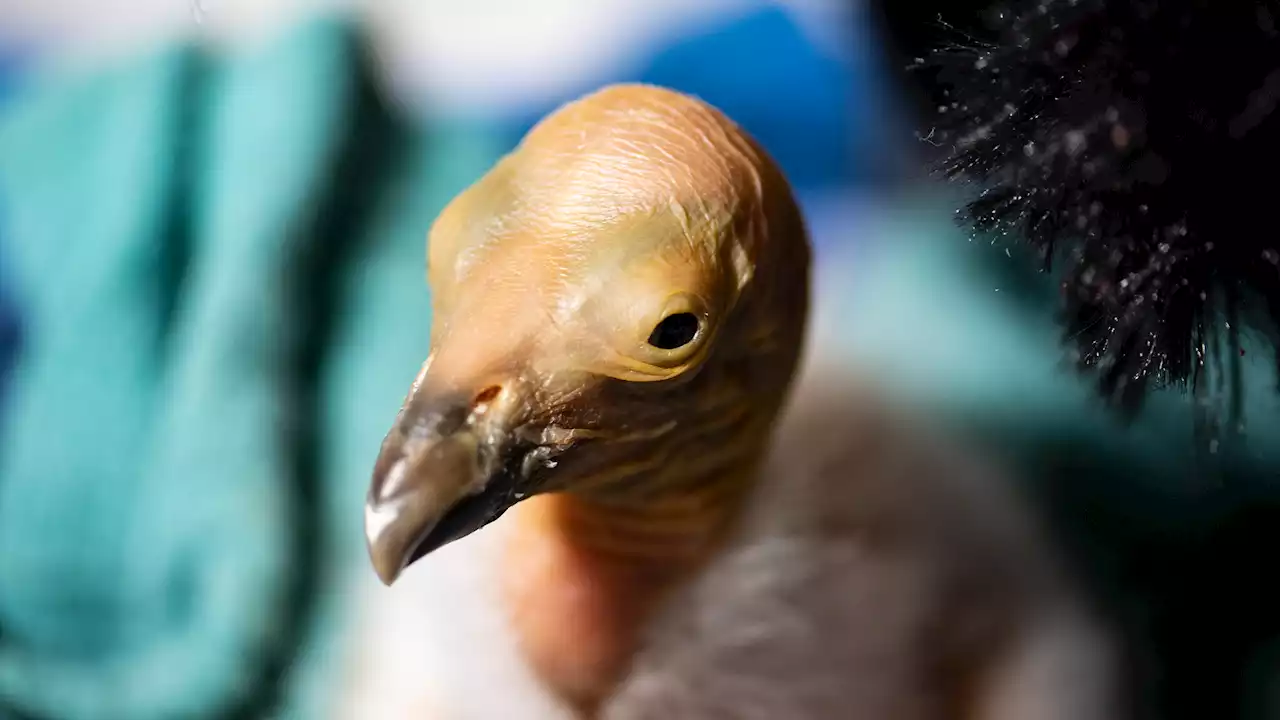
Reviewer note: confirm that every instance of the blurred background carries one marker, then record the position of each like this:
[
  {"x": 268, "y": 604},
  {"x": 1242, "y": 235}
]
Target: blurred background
[{"x": 212, "y": 215}]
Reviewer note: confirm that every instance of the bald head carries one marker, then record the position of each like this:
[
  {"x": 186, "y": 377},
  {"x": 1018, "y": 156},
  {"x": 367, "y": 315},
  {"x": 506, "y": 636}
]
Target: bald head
[
  {"x": 629, "y": 284},
  {"x": 636, "y": 149}
]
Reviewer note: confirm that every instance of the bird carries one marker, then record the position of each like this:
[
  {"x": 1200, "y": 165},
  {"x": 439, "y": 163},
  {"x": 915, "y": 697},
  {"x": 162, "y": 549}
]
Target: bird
[{"x": 622, "y": 486}]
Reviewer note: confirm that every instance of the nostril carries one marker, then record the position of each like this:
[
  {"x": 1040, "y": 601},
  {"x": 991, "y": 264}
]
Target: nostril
[{"x": 482, "y": 399}]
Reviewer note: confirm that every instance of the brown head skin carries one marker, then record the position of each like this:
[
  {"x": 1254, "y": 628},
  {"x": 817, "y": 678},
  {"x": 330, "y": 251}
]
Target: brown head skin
[{"x": 619, "y": 306}]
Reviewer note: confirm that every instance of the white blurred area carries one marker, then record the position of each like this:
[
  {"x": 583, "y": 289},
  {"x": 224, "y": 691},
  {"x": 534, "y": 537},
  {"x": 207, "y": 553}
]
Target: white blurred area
[{"x": 476, "y": 56}]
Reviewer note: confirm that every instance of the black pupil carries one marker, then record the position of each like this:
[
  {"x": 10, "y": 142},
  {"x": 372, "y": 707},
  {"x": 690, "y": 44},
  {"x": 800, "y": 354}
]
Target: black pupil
[{"x": 674, "y": 331}]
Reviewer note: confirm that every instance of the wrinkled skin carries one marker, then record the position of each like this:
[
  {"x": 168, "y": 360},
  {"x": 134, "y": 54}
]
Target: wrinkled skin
[
  {"x": 550, "y": 375},
  {"x": 549, "y": 276}
]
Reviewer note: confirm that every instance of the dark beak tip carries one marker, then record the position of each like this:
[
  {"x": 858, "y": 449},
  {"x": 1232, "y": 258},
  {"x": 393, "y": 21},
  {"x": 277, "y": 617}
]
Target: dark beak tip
[
  {"x": 387, "y": 551},
  {"x": 388, "y": 576},
  {"x": 426, "y": 496}
]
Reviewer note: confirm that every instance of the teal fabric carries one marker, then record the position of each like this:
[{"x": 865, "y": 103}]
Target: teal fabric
[
  {"x": 1179, "y": 535},
  {"x": 220, "y": 260}
]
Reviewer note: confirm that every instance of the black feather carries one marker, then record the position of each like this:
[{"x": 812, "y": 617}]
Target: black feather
[{"x": 1138, "y": 142}]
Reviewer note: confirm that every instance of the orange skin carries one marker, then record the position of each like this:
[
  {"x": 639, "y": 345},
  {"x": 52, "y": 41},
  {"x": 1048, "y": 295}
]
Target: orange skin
[{"x": 548, "y": 277}]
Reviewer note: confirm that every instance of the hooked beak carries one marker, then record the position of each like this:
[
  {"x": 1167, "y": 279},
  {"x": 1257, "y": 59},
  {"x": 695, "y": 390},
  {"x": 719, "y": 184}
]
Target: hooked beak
[{"x": 443, "y": 472}]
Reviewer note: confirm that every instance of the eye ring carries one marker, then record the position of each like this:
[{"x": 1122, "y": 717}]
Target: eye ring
[{"x": 675, "y": 331}]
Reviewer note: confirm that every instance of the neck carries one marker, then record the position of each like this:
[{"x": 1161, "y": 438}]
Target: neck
[{"x": 585, "y": 573}]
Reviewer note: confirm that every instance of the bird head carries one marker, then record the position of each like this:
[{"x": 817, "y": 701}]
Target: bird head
[{"x": 618, "y": 309}]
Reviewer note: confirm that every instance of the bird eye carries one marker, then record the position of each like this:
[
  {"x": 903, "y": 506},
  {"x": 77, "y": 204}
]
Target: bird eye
[{"x": 675, "y": 330}]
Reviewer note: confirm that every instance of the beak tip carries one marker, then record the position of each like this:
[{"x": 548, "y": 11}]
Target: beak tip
[
  {"x": 386, "y": 565},
  {"x": 386, "y": 551},
  {"x": 427, "y": 493},
  {"x": 387, "y": 574}
]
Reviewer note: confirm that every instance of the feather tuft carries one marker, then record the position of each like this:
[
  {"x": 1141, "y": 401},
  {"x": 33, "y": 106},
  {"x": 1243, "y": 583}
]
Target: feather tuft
[{"x": 1138, "y": 142}]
